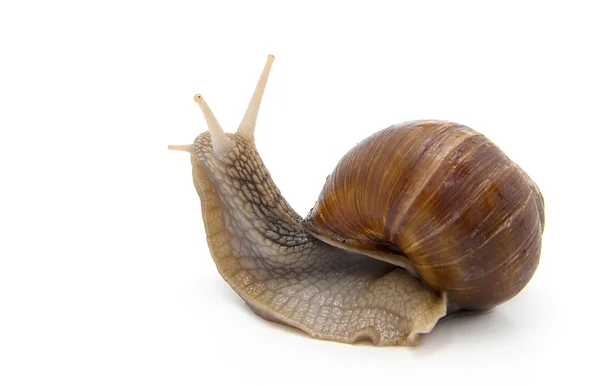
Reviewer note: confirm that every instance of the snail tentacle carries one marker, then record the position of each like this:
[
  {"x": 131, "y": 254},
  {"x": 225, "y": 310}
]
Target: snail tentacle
[
  {"x": 220, "y": 142},
  {"x": 248, "y": 123},
  {"x": 186, "y": 148}
]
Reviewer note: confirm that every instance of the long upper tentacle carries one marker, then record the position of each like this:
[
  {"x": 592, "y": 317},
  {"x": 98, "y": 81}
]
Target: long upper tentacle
[{"x": 248, "y": 124}]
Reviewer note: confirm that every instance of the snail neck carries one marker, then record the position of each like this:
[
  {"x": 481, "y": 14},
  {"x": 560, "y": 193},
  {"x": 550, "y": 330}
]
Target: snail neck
[{"x": 249, "y": 225}]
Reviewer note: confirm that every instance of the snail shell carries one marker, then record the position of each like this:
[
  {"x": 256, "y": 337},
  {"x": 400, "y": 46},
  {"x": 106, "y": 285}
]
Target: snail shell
[{"x": 442, "y": 200}]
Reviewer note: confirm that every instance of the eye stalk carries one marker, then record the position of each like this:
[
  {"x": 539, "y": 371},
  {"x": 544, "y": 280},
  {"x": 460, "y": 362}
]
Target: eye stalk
[
  {"x": 248, "y": 124},
  {"x": 220, "y": 142}
]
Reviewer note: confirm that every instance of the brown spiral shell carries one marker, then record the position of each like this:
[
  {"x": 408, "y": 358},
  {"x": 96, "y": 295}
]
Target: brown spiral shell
[{"x": 444, "y": 196}]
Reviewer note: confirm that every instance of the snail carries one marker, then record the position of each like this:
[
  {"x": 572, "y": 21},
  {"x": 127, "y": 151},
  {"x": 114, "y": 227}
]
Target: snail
[{"x": 417, "y": 221}]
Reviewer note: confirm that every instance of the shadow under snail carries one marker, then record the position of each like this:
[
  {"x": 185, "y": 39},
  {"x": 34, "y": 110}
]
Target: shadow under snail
[{"x": 417, "y": 221}]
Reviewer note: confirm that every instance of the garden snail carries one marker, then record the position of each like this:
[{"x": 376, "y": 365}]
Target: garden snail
[{"x": 416, "y": 221}]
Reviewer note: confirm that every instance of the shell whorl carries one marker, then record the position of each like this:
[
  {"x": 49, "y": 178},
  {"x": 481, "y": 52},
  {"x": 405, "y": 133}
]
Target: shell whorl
[{"x": 444, "y": 197}]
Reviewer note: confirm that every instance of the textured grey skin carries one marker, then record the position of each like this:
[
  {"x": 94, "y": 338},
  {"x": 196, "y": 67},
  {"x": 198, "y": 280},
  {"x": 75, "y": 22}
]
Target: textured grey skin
[{"x": 288, "y": 276}]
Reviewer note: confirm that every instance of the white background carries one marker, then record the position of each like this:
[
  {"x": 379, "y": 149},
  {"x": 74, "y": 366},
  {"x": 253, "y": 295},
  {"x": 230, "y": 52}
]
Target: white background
[{"x": 105, "y": 275}]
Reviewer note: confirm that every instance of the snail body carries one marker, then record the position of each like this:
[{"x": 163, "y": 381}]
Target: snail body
[{"x": 416, "y": 221}]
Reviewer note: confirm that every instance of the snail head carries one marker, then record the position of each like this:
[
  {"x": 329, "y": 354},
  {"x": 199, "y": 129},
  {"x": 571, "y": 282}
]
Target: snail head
[{"x": 220, "y": 142}]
